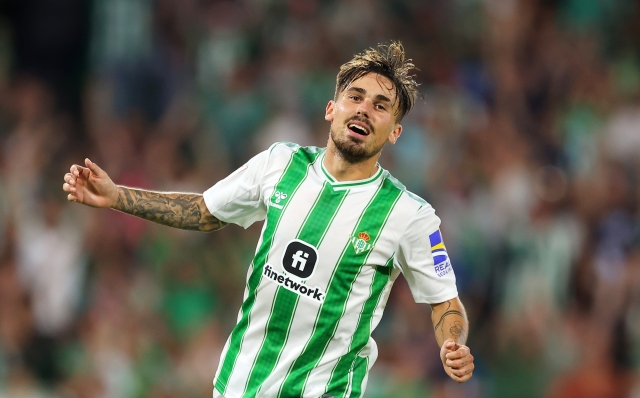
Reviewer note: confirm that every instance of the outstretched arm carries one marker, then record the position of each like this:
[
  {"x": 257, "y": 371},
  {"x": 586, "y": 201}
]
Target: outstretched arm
[
  {"x": 451, "y": 328},
  {"x": 178, "y": 210},
  {"x": 92, "y": 186}
]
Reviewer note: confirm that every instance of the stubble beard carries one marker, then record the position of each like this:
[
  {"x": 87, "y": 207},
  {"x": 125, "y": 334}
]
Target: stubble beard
[{"x": 350, "y": 149}]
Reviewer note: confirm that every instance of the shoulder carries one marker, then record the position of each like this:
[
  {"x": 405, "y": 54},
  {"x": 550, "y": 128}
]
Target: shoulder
[
  {"x": 289, "y": 149},
  {"x": 407, "y": 196},
  {"x": 416, "y": 209},
  {"x": 283, "y": 147}
]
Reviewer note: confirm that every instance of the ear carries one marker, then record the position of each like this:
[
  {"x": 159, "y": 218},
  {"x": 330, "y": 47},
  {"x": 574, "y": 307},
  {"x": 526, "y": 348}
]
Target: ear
[
  {"x": 395, "y": 133},
  {"x": 328, "y": 115}
]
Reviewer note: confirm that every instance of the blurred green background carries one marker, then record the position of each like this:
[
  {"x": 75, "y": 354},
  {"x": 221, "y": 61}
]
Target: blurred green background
[{"x": 526, "y": 141}]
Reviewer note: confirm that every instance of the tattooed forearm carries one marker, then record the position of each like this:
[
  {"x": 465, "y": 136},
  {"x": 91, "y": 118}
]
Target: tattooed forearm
[
  {"x": 451, "y": 321},
  {"x": 178, "y": 210},
  {"x": 445, "y": 314},
  {"x": 456, "y": 329}
]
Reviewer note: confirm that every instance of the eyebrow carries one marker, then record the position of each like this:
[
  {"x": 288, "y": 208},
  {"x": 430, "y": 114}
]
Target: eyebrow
[{"x": 362, "y": 91}]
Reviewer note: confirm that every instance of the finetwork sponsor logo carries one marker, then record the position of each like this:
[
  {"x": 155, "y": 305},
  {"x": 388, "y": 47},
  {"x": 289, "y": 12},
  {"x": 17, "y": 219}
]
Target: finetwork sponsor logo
[
  {"x": 300, "y": 259},
  {"x": 312, "y": 293}
]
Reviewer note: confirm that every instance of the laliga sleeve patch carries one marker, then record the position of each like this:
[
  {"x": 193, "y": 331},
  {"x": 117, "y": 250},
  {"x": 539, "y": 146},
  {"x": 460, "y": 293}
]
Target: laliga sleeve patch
[{"x": 441, "y": 261}]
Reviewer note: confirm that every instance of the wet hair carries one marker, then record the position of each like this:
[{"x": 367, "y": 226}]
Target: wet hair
[{"x": 388, "y": 61}]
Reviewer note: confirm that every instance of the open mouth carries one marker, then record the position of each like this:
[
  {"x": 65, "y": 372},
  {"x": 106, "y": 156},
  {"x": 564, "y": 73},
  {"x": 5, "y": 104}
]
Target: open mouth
[{"x": 358, "y": 129}]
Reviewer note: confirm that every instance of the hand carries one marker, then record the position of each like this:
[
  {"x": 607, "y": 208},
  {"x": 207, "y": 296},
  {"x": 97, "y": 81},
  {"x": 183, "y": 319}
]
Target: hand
[
  {"x": 90, "y": 186},
  {"x": 457, "y": 360}
]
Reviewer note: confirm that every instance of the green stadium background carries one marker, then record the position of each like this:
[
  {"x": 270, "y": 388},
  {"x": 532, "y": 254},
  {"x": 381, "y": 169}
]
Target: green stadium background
[{"x": 526, "y": 141}]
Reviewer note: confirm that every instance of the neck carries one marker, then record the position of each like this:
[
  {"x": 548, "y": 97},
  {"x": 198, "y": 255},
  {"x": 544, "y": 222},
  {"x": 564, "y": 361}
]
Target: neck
[{"x": 342, "y": 170}]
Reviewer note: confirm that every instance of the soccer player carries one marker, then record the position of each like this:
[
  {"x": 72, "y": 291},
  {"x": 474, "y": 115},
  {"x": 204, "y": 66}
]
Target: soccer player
[{"x": 338, "y": 231}]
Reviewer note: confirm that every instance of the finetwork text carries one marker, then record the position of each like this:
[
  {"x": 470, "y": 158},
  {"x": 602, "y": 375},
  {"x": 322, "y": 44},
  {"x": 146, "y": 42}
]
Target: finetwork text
[{"x": 313, "y": 293}]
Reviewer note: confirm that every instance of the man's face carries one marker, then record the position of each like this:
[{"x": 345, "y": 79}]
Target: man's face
[{"x": 363, "y": 118}]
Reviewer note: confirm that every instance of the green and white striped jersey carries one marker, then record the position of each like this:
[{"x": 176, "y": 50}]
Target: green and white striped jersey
[{"x": 322, "y": 272}]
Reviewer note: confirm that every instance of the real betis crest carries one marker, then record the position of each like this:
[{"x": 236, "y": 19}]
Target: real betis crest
[{"x": 361, "y": 243}]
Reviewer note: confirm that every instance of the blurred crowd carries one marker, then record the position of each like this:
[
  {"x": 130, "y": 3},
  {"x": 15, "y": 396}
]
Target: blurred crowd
[{"x": 526, "y": 140}]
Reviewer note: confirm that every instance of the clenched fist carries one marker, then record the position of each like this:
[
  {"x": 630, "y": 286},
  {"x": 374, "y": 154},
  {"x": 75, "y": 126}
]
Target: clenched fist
[{"x": 457, "y": 360}]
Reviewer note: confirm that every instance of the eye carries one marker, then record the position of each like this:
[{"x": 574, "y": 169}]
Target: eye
[
  {"x": 381, "y": 107},
  {"x": 354, "y": 97}
]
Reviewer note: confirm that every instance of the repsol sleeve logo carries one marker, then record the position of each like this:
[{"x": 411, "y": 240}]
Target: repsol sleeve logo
[{"x": 300, "y": 259}]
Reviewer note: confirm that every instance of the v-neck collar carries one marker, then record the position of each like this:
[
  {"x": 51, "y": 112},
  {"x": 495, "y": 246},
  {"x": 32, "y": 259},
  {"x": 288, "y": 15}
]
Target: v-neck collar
[{"x": 373, "y": 180}]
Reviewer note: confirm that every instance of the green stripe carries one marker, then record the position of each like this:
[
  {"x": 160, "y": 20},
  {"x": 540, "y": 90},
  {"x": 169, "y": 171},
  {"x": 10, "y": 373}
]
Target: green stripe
[
  {"x": 295, "y": 172},
  {"x": 340, "y": 374},
  {"x": 371, "y": 220},
  {"x": 312, "y": 231},
  {"x": 273, "y": 305},
  {"x": 359, "y": 373}
]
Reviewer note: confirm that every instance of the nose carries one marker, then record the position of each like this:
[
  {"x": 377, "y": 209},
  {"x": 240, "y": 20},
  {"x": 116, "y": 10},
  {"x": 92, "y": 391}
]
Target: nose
[{"x": 364, "y": 108}]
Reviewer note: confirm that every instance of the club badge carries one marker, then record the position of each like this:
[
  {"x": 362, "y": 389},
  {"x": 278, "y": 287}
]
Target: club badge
[{"x": 361, "y": 242}]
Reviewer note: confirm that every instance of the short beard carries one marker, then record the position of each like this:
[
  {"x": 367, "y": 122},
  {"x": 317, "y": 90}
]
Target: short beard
[{"x": 350, "y": 151}]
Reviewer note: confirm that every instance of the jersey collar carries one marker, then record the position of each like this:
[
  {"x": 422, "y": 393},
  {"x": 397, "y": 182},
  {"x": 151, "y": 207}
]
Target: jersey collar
[{"x": 338, "y": 185}]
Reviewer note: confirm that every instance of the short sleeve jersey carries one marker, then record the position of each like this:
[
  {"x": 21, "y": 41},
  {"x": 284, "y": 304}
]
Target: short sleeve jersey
[{"x": 327, "y": 257}]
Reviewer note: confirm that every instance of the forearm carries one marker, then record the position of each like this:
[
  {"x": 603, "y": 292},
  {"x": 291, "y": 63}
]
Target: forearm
[
  {"x": 179, "y": 210},
  {"x": 450, "y": 322}
]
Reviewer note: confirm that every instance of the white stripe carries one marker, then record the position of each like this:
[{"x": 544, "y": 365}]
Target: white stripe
[
  {"x": 290, "y": 224},
  {"x": 383, "y": 250},
  {"x": 306, "y": 313},
  {"x": 341, "y": 341}
]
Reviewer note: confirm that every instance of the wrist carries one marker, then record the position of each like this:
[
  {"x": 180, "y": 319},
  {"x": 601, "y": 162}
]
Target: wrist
[{"x": 115, "y": 201}]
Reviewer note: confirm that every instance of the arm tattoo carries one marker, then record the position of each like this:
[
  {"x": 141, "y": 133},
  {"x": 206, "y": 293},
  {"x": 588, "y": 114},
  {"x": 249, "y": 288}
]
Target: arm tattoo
[
  {"x": 178, "y": 210},
  {"x": 456, "y": 330},
  {"x": 448, "y": 313}
]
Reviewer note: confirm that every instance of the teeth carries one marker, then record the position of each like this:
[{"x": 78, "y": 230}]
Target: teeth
[{"x": 358, "y": 127}]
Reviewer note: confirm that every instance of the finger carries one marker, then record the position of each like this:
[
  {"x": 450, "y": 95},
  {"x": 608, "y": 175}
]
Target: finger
[
  {"x": 459, "y": 363},
  {"x": 459, "y": 372},
  {"x": 78, "y": 170},
  {"x": 95, "y": 169},
  {"x": 462, "y": 351},
  {"x": 456, "y": 378},
  {"x": 466, "y": 376},
  {"x": 463, "y": 370},
  {"x": 461, "y": 379},
  {"x": 450, "y": 345},
  {"x": 70, "y": 179},
  {"x": 453, "y": 355},
  {"x": 68, "y": 188},
  {"x": 72, "y": 198}
]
